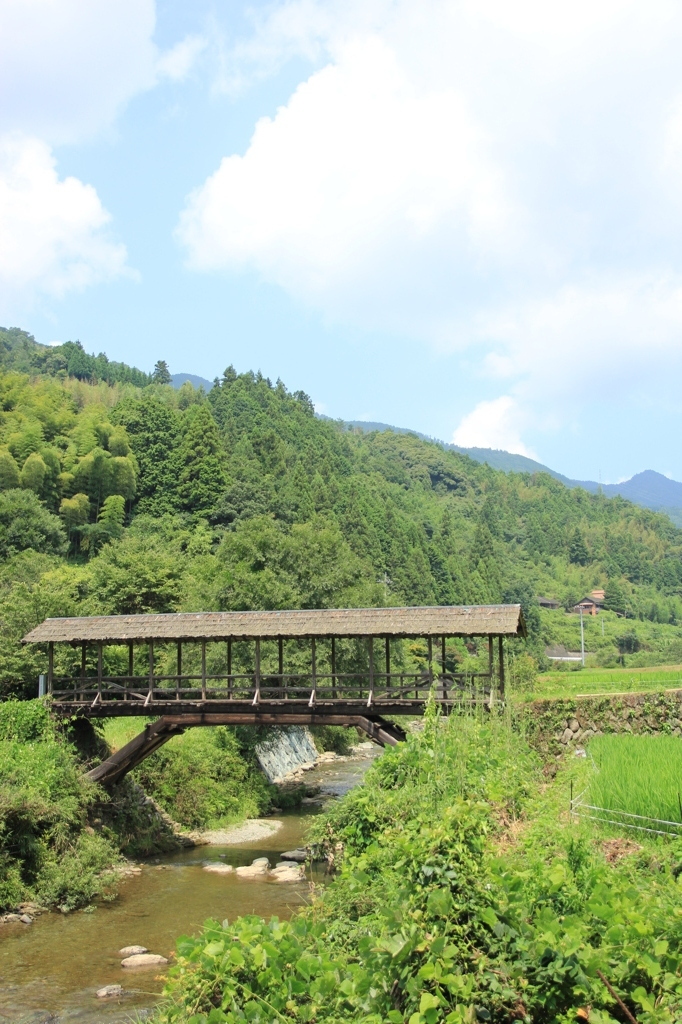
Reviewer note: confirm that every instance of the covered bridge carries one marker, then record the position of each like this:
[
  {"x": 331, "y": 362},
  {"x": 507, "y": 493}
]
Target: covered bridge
[{"x": 268, "y": 668}]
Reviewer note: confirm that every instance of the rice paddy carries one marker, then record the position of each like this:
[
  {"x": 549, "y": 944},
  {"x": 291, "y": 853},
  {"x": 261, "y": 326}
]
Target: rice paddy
[
  {"x": 637, "y": 775},
  {"x": 598, "y": 681}
]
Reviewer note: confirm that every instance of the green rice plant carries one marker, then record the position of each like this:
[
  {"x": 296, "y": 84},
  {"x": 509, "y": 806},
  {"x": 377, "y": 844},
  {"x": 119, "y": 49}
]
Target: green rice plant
[{"x": 637, "y": 775}]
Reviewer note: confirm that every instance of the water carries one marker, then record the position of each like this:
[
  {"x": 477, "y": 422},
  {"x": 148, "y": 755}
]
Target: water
[{"x": 57, "y": 964}]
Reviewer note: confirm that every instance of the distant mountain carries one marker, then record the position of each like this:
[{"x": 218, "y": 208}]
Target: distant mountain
[
  {"x": 648, "y": 489},
  {"x": 197, "y": 382}
]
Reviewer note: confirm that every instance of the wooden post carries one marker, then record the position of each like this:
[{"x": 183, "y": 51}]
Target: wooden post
[
  {"x": 50, "y": 666},
  {"x": 150, "y": 694},
  {"x": 388, "y": 665},
  {"x": 334, "y": 667},
  {"x": 130, "y": 669},
  {"x": 313, "y": 655},
  {"x": 179, "y": 672},
  {"x": 84, "y": 648},
  {"x": 280, "y": 662},
  {"x": 490, "y": 660},
  {"x": 444, "y": 685},
  {"x": 430, "y": 663},
  {"x": 370, "y": 645},
  {"x": 203, "y": 670},
  {"x": 256, "y": 696},
  {"x": 229, "y": 669},
  {"x": 99, "y": 671},
  {"x": 501, "y": 656}
]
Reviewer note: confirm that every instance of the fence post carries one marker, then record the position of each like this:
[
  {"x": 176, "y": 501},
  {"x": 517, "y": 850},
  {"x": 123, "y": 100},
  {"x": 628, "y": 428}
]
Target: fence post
[
  {"x": 203, "y": 670},
  {"x": 229, "y": 669},
  {"x": 179, "y": 672},
  {"x": 99, "y": 672},
  {"x": 130, "y": 670},
  {"x": 388, "y": 665},
  {"x": 501, "y": 652},
  {"x": 430, "y": 642}
]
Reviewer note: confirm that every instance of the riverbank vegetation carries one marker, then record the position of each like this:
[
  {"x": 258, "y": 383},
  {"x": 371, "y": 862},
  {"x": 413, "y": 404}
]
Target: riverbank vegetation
[
  {"x": 62, "y": 838},
  {"x": 464, "y": 894}
]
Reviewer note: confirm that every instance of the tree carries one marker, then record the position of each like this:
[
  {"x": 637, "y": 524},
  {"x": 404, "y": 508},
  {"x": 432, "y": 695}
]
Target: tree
[
  {"x": 26, "y": 523},
  {"x": 9, "y": 472},
  {"x": 161, "y": 374},
  {"x": 614, "y": 598},
  {"x": 577, "y": 549},
  {"x": 202, "y": 478}
]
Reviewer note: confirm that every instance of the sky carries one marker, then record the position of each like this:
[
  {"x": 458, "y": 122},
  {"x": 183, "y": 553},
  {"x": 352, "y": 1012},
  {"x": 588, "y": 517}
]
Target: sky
[{"x": 459, "y": 216}]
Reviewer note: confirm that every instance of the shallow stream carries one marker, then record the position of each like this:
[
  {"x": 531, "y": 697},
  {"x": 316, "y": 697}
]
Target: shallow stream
[{"x": 55, "y": 966}]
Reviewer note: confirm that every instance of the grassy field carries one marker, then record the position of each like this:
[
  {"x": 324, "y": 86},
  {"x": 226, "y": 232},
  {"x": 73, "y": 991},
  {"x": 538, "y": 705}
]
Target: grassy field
[
  {"x": 638, "y": 775},
  {"x": 581, "y": 682}
]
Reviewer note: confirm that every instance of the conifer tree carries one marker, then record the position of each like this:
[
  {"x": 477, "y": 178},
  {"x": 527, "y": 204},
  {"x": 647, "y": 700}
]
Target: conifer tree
[{"x": 202, "y": 476}]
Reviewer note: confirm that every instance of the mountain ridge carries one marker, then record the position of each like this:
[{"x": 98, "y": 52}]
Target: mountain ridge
[{"x": 648, "y": 488}]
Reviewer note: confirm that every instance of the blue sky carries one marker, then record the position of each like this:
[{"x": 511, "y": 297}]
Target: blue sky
[{"x": 463, "y": 217}]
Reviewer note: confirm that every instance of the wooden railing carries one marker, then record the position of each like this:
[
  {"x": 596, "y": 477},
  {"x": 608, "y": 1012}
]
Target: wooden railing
[{"x": 251, "y": 688}]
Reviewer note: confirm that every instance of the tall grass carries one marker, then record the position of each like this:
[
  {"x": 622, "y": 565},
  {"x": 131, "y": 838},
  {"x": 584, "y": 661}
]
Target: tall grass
[{"x": 638, "y": 775}]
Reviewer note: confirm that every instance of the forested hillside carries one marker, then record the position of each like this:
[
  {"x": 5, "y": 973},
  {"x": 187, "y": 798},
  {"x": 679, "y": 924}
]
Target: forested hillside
[{"x": 124, "y": 498}]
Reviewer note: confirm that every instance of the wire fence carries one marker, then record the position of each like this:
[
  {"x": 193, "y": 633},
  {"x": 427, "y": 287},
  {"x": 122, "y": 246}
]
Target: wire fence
[{"x": 623, "y": 819}]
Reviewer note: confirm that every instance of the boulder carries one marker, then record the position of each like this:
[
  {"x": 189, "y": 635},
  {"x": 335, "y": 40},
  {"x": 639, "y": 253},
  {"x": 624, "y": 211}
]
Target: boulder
[
  {"x": 288, "y": 873},
  {"x": 574, "y": 725},
  {"x": 144, "y": 960},
  {"x": 218, "y": 868},
  {"x": 26, "y": 919},
  {"x": 12, "y": 917},
  {"x": 257, "y": 869},
  {"x": 132, "y": 950},
  {"x": 109, "y": 991},
  {"x": 567, "y": 736},
  {"x": 299, "y": 855}
]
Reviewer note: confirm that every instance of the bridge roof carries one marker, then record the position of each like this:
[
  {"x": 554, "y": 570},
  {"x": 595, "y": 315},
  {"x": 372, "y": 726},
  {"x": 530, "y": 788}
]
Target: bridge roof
[{"x": 445, "y": 620}]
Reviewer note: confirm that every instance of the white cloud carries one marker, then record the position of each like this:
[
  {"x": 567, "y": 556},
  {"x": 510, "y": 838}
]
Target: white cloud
[
  {"x": 503, "y": 178},
  {"x": 54, "y": 237},
  {"x": 177, "y": 62},
  {"x": 360, "y": 171},
  {"x": 69, "y": 67},
  {"x": 493, "y": 424}
]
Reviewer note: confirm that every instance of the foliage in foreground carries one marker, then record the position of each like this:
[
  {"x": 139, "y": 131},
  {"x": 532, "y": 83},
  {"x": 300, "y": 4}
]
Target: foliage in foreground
[
  {"x": 61, "y": 836},
  {"x": 425, "y": 924}
]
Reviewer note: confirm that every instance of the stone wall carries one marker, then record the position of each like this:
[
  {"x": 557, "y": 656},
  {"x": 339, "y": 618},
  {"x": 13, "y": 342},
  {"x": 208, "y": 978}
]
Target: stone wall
[{"x": 552, "y": 725}]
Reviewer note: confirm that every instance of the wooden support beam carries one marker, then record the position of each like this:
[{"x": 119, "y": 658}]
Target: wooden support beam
[
  {"x": 150, "y": 693},
  {"x": 256, "y": 696},
  {"x": 444, "y": 685},
  {"x": 130, "y": 669},
  {"x": 491, "y": 659},
  {"x": 84, "y": 647},
  {"x": 501, "y": 656},
  {"x": 99, "y": 671},
  {"x": 313, "y": 656},
  {"x": 388, "y": 664},
  {"x": 430, "y": 643},
  {"x": 179, "y": 671},
  {"x": 50, "y": 666},
  {"x": 229, "y": 669},
  {"x": 370, "y": 645},
  {"x": 203, "y": 670},
  {"x": 334, "y": 667}
]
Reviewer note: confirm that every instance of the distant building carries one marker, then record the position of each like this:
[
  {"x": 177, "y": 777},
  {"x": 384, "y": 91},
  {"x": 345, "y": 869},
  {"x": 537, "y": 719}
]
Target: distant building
[
  {"x": 548, "y": 602},
  {"x": 558, "y": 653},
  {"x": 590, "y": 605}
]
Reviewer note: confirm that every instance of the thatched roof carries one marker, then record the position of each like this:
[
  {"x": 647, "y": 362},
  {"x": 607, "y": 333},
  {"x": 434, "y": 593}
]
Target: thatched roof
[{"x": 449, "y": 620}]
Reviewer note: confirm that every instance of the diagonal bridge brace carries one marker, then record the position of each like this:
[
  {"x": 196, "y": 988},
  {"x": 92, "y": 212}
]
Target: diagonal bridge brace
[{"x": 154, "y": 735}]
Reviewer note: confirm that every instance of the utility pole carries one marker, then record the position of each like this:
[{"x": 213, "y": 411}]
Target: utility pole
[{"x": 582, "y": 639}]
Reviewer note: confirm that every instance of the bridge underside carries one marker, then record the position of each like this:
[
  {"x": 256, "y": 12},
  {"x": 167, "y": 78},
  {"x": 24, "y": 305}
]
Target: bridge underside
[{"x": 153, "y": 736}]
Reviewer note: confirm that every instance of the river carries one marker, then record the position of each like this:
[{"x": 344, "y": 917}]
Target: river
[{"x": 51, "y": 970}]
